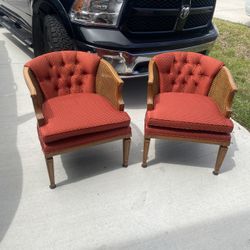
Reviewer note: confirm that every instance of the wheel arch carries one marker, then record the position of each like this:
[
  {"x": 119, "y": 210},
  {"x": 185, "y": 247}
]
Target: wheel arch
[{"x": 46, "y": 7}]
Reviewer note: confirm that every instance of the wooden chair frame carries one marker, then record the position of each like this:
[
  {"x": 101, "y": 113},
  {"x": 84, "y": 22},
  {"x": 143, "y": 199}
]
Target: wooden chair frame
[
  {"x": 108, "y": 84},
  {"x": 222, "y": 92}
]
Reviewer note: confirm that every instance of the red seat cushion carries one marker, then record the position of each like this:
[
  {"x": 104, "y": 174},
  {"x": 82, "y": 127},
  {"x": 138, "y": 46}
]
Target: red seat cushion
[
  {"x": 79, "y": 114},
  {"x": 186, "y": 134},
  {"x": 65, "y": 72},
  {"x": 59, "y": 146},
  {"x": 188, "y": 111},
  {"x": 186, "y": 72}
]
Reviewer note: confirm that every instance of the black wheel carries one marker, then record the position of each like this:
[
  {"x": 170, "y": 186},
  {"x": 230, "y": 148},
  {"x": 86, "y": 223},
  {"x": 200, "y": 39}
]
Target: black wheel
[
  {"x": 205, "y": 52},
  {"x": 55, "y": 36}
]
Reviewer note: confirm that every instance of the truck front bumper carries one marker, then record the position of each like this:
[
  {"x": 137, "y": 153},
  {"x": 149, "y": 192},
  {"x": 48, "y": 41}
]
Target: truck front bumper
[
  {"x": 131, "y": 59},
  {"x": 136, "y": 65}
]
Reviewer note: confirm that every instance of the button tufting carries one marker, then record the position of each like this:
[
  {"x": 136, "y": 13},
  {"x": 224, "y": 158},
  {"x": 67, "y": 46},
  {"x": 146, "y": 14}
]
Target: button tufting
[{"x": 174, "y": 67}]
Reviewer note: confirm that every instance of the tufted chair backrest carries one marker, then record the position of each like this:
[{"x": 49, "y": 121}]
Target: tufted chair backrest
[
  {"x": 65, "y": 72},
  {"x": 186, "y": 72}
]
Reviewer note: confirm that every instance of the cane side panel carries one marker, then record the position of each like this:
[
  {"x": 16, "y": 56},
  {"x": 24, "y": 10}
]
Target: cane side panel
[
  {"x": 222, "y": 91},
  {"x": 109, "y": 84}
]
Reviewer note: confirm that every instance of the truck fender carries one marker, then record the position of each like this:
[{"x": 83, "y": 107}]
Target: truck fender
[{"x": 42, "y": 7}]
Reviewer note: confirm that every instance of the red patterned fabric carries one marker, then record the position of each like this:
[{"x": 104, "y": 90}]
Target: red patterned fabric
[
  {"x": 65, "y": 72},
  {"x": 79, "y": 114},
  {"x": 58, "y": 146},
  {"x": 186, "y": 134},
  {"x": 186, "y": 72},
  {"x": 189, "y": 112}
]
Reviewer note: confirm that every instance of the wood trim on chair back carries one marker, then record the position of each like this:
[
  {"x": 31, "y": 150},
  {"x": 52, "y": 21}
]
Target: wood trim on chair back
[
  {"x": 35, "y": 93},
  {"x": 153, "y": 84}
]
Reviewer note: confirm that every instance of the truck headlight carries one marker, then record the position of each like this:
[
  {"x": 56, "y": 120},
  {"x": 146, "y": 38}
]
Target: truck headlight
[{"x": 96, "y": 12}]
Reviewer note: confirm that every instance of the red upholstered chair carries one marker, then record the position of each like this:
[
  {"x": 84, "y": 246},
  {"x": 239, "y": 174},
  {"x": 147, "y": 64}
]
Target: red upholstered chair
[
  {"x": 78, "y": 103},
  {"x": 189, "y": 98}
]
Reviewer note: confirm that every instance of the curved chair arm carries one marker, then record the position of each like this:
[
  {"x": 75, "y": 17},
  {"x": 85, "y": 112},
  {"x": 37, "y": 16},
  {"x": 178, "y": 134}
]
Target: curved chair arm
[
  {"x": 222, "y": 91},
  {"x": 109, "y": 84},
  {"x": 35, "y": 93},
  {"x": 153, "y": 84}
]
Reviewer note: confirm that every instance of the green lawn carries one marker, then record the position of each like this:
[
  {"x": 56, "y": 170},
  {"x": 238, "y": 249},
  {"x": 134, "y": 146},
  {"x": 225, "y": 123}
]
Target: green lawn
[{"x": 233, "y": 48}]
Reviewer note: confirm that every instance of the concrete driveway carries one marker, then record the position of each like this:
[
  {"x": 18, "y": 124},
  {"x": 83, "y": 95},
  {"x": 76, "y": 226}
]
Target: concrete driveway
[
  {"x": 232, "y": 10},
  {"x": 176, "y": 203}
]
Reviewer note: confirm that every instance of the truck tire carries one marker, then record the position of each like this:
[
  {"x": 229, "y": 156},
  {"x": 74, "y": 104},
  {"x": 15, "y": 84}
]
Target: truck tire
[{"x": 55, "y": 36}]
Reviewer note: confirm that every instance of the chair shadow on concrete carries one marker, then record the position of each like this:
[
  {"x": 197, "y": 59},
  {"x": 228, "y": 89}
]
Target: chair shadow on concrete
[
  {"x": 135, "y": 93},
  {"x": 192, "y": 154},
  {"x": 97, "y": 160},
  {"x": 11, "y": 180}
]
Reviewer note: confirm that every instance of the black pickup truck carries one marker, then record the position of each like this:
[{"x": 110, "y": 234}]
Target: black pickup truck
[{"x": 127, "y": 33}]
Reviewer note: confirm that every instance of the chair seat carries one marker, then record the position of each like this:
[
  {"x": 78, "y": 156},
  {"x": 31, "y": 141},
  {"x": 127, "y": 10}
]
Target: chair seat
[
  {"x": 83, "y": 140},
  {"x": 188, "y": 112},
  {"x": 79, "y": 114}
]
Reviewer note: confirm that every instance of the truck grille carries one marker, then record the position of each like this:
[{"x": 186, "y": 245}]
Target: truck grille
[
  {"x": 197, "y": 20},
  {"x": 142, "y": 17},
  {"x": 154, "y": 23},
  {"x": 202, "y": 3},
  {"x": 157, "y": 4}
]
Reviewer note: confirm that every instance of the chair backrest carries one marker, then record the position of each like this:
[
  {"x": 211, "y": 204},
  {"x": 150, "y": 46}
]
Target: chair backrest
[
  {"x": 65, "y": 72},
  {"x": 186, "y": 72}
]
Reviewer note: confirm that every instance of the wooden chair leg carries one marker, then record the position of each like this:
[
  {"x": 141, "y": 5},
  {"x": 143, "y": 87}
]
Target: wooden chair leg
[
  {"x": 126, "y": 148},
  {"x": 220, "y": 158},
  {"x": 50, "y": 168},
  {"x": 145, "y": 152}
]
